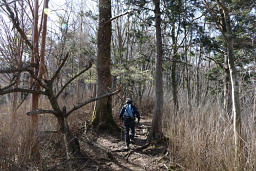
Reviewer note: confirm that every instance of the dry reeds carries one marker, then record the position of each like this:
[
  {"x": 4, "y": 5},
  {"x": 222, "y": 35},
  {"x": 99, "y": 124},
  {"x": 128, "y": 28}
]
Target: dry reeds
[{"x": 203, "y": 139}]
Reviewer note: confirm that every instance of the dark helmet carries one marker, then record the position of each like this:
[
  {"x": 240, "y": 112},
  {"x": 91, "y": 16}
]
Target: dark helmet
[{"x": 128, "y": 100}]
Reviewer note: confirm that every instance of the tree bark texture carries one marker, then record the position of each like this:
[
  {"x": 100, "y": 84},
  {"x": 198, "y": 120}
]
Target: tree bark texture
[
  {"x": 235, "y": 104},
  {"x": 35, "y": 97},
  {"x": 103, "y": 115},
  {"x": 71, "y": 143},
  {"x": 227, "y": 89},
  {"x": 40, "y": 70},
  {"x": 34, "y": 59},
  {"x": 158, "y": 109}
]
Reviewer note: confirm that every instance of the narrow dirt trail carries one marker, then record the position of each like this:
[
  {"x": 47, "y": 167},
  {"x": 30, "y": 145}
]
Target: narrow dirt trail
[{"x": 109, "y": 153}]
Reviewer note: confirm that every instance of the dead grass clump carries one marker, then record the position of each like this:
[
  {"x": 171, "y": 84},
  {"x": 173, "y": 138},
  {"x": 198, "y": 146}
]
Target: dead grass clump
[
  {"x": 203, "y": 139},
  {"x": 15, "y": 141}
]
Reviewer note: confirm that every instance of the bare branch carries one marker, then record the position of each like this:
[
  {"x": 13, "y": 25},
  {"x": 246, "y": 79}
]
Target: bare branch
[
  {"x": 216, "y": 62},
  {"x": 22, "y": 101},
  {"x": 60, "y": 67},
  {"x": 92, "y": 100},
  {"x": 120, "y": 15},
  {"x": 16, "y": 24},
  {"x": 72, "y": 79},
  {"x": 8, "y": 86},
  {"x": 25, "y": 67},
  {"x": 12, "y": 90},
  {"x": 31, "y": 72},
  {"x": 3, "y": 4},
  {"x": 28, "y": 68},
  {"x": 40, "y": 111}
]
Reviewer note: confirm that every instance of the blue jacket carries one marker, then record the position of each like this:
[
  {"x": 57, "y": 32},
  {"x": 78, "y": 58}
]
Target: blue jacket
[{"x": 135, "y": 111}]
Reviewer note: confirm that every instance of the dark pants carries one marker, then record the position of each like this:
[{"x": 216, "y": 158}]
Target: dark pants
[{"x": 129, "y": 124}]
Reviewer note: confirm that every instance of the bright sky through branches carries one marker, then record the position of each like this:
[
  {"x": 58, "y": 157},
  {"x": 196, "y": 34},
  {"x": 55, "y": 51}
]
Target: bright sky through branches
[{"x": 60, "y": 10}]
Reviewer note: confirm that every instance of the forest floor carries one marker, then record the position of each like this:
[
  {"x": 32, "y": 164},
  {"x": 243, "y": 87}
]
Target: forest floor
[{"x": 108, "y": 152}]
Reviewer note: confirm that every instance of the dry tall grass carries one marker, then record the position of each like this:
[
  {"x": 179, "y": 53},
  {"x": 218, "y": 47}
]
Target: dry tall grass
[
  {"x": 199, "y": 140},
  {"x": 203, "y": 139},
  {"x": 15, "y": 141}
]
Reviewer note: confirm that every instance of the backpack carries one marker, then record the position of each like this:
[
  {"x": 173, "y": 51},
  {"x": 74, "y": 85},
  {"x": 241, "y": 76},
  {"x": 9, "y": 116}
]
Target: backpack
[{"x": 129, "y": 111}]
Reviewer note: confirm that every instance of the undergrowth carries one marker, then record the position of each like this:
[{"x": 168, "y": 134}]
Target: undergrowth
[{"x": 202, "y": 139}]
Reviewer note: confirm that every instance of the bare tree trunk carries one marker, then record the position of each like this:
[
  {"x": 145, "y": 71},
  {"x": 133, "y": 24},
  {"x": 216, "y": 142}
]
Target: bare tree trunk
[
  {"x": 103, "y": 118},
  {"x": 235, "y": 105},
  {"x": 15, "y": 94},
  {"x": 79, "y": 81},
  {"x": 42, "y": 68},
  {"x": 157, "y": 131},
  {"x": 35, "y": 97},
  {"x": 20, "y": 54},
  {"x": 71, "y": 143},
  {"x": 254, "y": 107},
  {"x": 187, "y": 72},
  {"x": 207, "y": 86},
  {"x": 227, "y": 89},
  {"x": 34, "y": 59},
  {"x": 198, "y": 87},
  {"x": 235, "y": 86},
  {"x": 40, "y": 71},
  {"x": 173, "y": 70}
]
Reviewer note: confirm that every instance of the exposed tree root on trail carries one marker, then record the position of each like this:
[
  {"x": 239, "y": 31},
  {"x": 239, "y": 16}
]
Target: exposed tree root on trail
[{"x": 138, "y": 149}]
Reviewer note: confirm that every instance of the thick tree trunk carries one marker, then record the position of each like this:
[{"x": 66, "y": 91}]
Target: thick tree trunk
[
  {"x": 157, "y": 131},
  {"x": 71, "y": 143},
  {"x": 236, "y": 106},
  {"x": 103, "y": 118}
]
